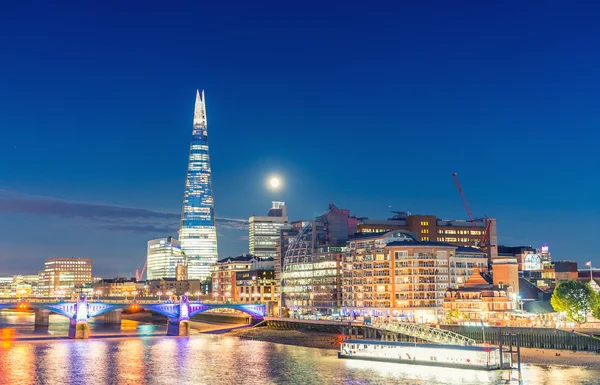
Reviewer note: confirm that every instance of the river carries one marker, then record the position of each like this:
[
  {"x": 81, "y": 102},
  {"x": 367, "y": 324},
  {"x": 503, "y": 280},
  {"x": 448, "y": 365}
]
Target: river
[{"x": 219, "y": 359}]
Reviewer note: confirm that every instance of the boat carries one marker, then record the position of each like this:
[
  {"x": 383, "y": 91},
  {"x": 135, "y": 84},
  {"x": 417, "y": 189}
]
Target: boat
[{"x": 455, "y": 356}]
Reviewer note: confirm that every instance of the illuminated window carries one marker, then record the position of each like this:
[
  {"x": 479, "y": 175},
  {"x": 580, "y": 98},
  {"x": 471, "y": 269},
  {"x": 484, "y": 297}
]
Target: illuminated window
[
  {"x": 424, "y": 238},
  {"x": 424, "y": 231},
  {"x": 450, "y": 231},
  {"x": 424, "y": 223},
  {"x": 450, "y": 239}
]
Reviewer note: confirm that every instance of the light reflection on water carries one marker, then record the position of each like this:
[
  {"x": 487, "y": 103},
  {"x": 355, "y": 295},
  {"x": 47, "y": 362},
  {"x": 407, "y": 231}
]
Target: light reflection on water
[
  {"x": 208, "y": 359},
  {"x": 23, "y": 324},
  {"x": 217, "y": 359}
]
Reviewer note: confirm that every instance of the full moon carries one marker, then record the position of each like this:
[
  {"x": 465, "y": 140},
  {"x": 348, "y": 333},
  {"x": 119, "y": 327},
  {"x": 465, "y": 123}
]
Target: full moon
[{"x": 274, "y": 182}]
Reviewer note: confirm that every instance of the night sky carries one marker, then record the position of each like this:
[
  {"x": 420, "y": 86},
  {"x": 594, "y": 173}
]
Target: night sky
[{"x": 372, "y": 106}]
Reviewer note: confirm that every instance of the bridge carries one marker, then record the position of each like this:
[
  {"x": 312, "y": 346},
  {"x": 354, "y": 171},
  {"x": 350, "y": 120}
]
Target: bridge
[
  {"x": 424, "y": 332},
  {"x": 79, "y": 311}
]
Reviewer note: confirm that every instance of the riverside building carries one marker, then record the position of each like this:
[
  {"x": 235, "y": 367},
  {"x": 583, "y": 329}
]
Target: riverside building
[
  {"x": 311, "y": 263},
  {"x": 392, "y": 274}
]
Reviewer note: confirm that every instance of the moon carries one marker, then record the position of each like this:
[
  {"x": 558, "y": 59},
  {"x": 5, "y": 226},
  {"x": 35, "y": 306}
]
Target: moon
[{"x": 274, "y": 182}]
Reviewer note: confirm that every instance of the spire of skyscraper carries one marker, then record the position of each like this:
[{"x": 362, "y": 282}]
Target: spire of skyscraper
[{"x": 198, "y": 235}]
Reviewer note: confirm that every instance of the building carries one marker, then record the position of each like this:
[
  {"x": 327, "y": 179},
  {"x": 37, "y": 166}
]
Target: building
[
  {"x": 255, "y": 286},
  {"x": 311, "y": 262},
  {"x": 25, "y": 285},
  {"x": 198, "y": 235},
  {"x": 480, "y": 232},
  {"x": 224, "y": 272},
  {"x": 478, "y": 300},
  {"x": 6, "y": 287},
  {"x": 392, "y": 274},
  {"x": 466, "y": 260},
  {"x": 164, "y": 286},
  {"x": 117, "y": 287},
  {"x": 264, "y": 232},
  {"x": 64, "y": 276},
  {"x": 163, "y": 257}
]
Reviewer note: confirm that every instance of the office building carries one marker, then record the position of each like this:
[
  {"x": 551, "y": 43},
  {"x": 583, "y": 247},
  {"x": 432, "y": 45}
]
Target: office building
[
  {"x": 63, "y": 277},
  {"x": 311, "y": 261},
  {"x": 163, "y": 257},
  {"x": 264, "y": 231},
  {"x": 198, "y": 235},
  {"x": 481, "y": 232}
]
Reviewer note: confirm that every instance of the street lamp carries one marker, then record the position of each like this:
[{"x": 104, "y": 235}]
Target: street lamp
[
  {"x": 98, "y": 293},
  {"x": 125, "y": 293},
  {"x": 21, "y": 293},
  {"x": 198, "y": 294},
  {"x": 169, "y": 294},
  {"x": 159, "y": 294},
  {"x": 134, "y": 293}
]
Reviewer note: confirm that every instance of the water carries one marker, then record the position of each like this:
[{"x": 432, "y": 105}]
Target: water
[
  {"x": 23, "y": 324},
  {"x": 218, "y": 359}
]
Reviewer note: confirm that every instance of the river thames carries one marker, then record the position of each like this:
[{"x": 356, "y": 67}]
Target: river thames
[{"x": 219, "y": 359}]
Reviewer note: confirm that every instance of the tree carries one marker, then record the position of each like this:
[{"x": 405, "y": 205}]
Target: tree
[
  {"x": 574, "y": 298},
  {"x": 455, "y": 316}
]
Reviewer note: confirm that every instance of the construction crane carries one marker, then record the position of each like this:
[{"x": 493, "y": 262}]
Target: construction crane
[
  {"x": 464, "y": 199},
  {"x": 484, "y": 240},
  {"x": 138, "y": 275}
]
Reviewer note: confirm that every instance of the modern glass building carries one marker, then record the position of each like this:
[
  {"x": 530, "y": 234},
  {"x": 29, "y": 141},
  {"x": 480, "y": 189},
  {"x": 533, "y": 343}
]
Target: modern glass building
[
  {"x": 164, "y": 255},
  {"x": 264, "y": 232},
  {"x": 198, "y": 235}
]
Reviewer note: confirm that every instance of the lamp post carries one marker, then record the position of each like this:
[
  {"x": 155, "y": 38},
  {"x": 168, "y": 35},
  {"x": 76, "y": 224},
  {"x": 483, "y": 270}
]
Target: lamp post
[
  {"x": 98, "y": 293},
  {"x": 215, "y": 295},
  {"x": 198, "y": 294},
  {"x": 134, "y": 294},
  {"x": 169, "y": 294},
  {"x": 159, "y": 294},
  {"x": 125, "y": 293}
]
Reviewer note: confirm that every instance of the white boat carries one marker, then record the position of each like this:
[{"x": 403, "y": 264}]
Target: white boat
[{"x": 456, "y": 356}]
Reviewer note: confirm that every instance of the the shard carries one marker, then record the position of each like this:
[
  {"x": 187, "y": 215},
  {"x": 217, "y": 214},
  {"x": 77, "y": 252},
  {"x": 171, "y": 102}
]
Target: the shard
[{"x": 198, "y": 235}]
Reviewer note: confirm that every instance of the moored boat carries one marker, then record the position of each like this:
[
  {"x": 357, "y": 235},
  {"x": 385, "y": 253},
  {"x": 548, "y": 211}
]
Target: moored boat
[{"x": 457, "y": 356}]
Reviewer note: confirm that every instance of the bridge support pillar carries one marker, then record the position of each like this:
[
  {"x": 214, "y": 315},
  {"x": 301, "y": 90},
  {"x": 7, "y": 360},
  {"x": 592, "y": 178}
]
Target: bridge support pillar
[
  {"x": 42, "y": 317},
  {"x": 79, "y": 330},
  {"x": 178, "y": 328},
  {"x": 113, "y": 317}
]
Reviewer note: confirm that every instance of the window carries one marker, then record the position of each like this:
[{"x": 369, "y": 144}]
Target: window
[
  {"x": 450, "y": 231},
  {"x": 424, "y": 231},
  {"x": 450, "y": 239},
  {"x": 424, "y": 223},
  {"x": 424, "y": 238}
]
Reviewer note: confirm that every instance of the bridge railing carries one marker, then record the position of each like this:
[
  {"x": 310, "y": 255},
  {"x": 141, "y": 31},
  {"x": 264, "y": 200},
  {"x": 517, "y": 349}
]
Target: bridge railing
[{"x": 425, "y": 332}]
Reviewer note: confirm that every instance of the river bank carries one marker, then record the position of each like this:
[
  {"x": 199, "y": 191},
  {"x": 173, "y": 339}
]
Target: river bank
[{"x": 331, "y": 341}]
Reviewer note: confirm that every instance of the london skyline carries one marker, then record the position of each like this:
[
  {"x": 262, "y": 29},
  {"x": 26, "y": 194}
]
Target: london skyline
[{"x": 506, "y": 113}]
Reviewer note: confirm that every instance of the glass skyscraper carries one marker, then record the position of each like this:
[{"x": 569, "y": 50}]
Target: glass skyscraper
[
  {"x": 164, "y": 255},
  {"x": 198, "y": 235}
]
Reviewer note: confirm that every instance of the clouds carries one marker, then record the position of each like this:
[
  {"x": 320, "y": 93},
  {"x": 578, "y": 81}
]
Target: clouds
[{"x": 104, "y": 216}]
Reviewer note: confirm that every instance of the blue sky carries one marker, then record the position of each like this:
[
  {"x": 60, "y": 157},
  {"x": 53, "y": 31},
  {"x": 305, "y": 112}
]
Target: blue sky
[{"x": 372, "y": 106}]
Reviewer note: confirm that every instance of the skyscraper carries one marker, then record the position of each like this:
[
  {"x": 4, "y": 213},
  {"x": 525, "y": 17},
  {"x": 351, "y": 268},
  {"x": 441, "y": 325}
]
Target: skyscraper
[
  {"x": 198, "y": 235},
  {"x": 164, "y": 255},
  {"x": 264, "y": 232}
]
